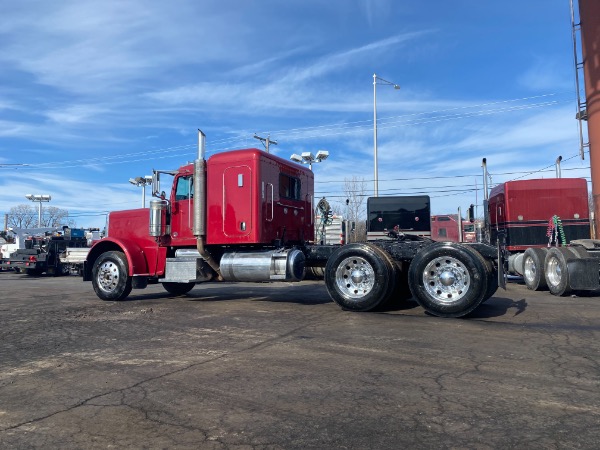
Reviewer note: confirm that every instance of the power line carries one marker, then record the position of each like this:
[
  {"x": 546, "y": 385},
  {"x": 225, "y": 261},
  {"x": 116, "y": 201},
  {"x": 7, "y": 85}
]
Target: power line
[
  {"x": 303, "y": 133},
  {"x": 370, "y": 121},
  {"x": 433, "y": 177}
]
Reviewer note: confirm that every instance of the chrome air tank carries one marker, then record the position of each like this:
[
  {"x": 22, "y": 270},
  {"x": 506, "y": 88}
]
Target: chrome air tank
[{"x": 158, "y": 218}]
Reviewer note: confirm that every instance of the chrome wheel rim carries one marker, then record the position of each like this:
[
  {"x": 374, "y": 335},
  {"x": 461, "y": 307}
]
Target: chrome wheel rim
[
  {"x": 553, "y": 271},
  {"x": 446, "y": 279},
  {"x": 108, "y": 276},
  {"x": 355, "y": 277},
  {"x": 530, "y": 268}
]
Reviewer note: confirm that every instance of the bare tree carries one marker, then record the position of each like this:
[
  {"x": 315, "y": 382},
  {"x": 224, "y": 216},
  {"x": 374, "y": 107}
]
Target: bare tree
[
  {"x": 22, "y": 216},
  {"x": 54, "y": 217},
  {"x": 336, "y": 209},
  {"x": 355, "y": 208},
  {"x": 26, "y": 216}
]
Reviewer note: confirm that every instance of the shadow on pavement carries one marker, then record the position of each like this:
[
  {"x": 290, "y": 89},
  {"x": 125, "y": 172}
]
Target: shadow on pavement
[{"x": 499, "y": 306}]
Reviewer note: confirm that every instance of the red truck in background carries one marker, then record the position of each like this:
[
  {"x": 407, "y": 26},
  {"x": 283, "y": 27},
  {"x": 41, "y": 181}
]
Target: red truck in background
[
  {"x": 247, "y": 215},
  {"x": 521, "y": 211},
  {"x": 545, "y": 225},
  {"x": 444, "y": 227}
]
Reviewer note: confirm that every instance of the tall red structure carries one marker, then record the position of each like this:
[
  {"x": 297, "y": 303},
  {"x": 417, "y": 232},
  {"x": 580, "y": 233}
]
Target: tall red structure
[{"x": 589, "y": 13}]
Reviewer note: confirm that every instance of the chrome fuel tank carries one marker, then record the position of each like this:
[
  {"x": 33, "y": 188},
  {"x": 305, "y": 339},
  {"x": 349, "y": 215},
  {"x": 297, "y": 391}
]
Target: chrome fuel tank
[{"x": 271, "y": 265}]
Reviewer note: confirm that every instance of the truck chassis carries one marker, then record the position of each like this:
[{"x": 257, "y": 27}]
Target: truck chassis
[
  {"x": 447, "y": 279},
  {"x": 245, "y": 215}
]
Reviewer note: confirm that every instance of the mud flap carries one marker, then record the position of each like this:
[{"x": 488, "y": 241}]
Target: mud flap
[
  {"x": 583, "y": 274},
  {"x": 501, "y": 272}
]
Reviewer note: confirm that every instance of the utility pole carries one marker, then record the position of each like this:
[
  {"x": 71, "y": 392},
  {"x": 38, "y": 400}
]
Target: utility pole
[{"x": 266, "y": 141}]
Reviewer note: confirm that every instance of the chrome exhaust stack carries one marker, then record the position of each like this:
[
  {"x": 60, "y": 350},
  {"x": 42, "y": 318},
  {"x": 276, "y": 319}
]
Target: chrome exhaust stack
[
  {"x": 199, "y": 212},
  {"x": 486, "y": 198},
  {"x": 486, "y": 194},
  {"x": 199, "y": 228}
]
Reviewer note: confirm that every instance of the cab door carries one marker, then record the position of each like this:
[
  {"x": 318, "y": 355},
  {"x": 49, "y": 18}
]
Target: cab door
[{"x": 182, "y": 215}]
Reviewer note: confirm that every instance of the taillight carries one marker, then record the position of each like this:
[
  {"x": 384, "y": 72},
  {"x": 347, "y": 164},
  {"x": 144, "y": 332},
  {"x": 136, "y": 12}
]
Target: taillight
[{"x": 32, "y": 259}]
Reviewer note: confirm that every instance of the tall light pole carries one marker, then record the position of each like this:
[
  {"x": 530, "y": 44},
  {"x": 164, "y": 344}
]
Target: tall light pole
[
  {"x": 40, "y": 199},
  {"x": 377, "y": 80},
  {"x": 143, "y": 182}
]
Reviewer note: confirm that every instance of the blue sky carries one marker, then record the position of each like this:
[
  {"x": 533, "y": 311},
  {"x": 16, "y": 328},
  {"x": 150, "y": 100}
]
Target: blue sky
[{"x": 94, "y": 93}]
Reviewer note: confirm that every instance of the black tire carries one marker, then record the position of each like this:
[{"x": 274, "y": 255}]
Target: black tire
[
  {"x": 447, "y": 280},
  {"x": 556, "y": 270},
  {"x": 359, "y": 277},
  {"x": 534, "y": 269},
  {"x": 59, "y": 270},
  {"x": 492, "y": 274},
  {"x": 178, "y": 288},
  {"x": 579, "y": 251},
  {"x": 34, "y": 272},
  {"x": 110, "y": 276}
]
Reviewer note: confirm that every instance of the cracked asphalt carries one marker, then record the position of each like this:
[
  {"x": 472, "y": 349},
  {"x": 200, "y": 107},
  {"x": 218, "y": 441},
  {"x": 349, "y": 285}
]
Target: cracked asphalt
[{"x": 279, "y": 366}]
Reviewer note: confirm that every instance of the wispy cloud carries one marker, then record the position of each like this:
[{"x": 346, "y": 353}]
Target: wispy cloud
[
  {"x": 544, "y": 75},
  {"x": 287, "y": 88},
  {"x": 85, "y": 84}
]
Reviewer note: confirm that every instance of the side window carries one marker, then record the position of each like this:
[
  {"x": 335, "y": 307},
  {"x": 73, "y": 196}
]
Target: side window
[
  {"x": 442, "y": 232},
  {"x": 289, "y": 187},
  {"x": 185, "y": 188}
]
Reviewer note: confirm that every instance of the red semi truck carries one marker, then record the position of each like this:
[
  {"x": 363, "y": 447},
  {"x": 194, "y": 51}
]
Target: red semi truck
[
  {"x": 247, "y": 215},
  {"x": 545, "y": 225},
  {"x": 444, "y": 227}
]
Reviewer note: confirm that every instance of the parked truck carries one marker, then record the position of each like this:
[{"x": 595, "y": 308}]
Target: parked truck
[
  {"x": 545, "y": 225},
  {"x": 19, "y": 239},
  {"x": 52, "y": 252},
  {"x": 445, "y": 227},
  {"x": 247, "y": 215}
]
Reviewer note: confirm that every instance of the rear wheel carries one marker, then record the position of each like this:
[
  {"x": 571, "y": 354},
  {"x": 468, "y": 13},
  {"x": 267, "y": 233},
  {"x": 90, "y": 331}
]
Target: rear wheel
[
  {"x": 359, "y": 277},
  {"x": 579, "y": 251},
  {"x": 533, "y": 269},
  {"x": 178, "y": 288},
  {"x": 447, "y": 280},
  {"x": 110, "y": 276},
  {"x": 492, "y": 273},
  {"x": 557, "y": 272},
  {"x": 34, "y": 272}
]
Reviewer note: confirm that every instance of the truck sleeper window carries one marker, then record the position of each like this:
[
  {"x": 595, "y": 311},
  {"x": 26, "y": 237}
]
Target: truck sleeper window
[{"x": 289, "y": 187}]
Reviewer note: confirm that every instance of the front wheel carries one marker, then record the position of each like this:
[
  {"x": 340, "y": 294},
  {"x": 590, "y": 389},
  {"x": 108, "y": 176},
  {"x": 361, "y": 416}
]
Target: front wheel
[
  {"x": 359, "y": 277},
  {"x": 110, "y": 276},
  {"x": 447, "y": 280},
  {"x": 178, "y": 288}
]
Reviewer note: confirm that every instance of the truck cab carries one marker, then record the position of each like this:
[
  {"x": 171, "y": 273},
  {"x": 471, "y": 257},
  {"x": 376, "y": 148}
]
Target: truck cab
[{"x": 252, "y": 200}]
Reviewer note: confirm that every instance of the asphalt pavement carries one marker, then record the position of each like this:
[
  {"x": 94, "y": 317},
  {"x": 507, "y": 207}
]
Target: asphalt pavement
[{"x": 280, "y": 366}]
